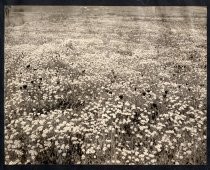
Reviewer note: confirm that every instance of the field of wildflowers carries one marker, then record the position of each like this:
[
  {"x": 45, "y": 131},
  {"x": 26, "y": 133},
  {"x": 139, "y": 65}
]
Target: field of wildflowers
[{"x": 101, "y": 87}]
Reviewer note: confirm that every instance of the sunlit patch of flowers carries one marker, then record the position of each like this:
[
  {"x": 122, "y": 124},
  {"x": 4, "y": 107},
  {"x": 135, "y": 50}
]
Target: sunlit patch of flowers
[{"x": 67, "y": 105}]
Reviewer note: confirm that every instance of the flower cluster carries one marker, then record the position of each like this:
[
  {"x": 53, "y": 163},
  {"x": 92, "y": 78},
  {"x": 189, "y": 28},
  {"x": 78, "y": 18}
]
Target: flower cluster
[{"x": 94, "y": 99}]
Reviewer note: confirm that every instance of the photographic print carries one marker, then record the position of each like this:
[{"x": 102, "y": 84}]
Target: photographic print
[{"x": 105, "y": 85}]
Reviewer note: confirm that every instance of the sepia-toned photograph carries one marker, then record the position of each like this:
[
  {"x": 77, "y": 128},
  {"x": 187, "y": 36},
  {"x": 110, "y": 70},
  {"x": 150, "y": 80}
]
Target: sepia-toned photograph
[{"x": 105, "y": 85}]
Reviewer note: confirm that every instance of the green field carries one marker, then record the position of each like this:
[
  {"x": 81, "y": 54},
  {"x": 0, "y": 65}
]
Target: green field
[{"x": 106, "y": 85}]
